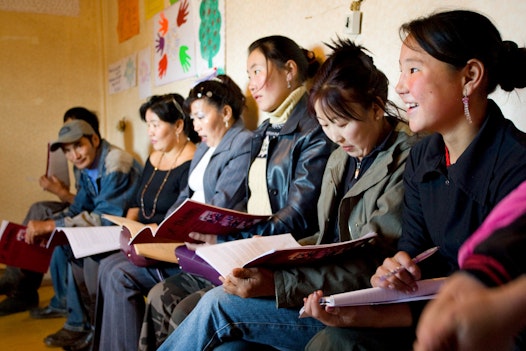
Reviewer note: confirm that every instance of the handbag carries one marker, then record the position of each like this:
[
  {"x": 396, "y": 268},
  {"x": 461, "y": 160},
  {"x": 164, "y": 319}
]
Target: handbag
[{"x": 191, "y": 263}]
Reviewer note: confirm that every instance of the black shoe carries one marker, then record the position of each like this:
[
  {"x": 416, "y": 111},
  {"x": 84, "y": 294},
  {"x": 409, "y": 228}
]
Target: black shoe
[
  {"x": 47, "y": 312},
  {"x": 6, "y": 286},
  {"x": 17, "y": 304},
  {"x": 65, "y": 338},
  {"x": 82, "y": 345},
  {"x": 10, "y": 280}
]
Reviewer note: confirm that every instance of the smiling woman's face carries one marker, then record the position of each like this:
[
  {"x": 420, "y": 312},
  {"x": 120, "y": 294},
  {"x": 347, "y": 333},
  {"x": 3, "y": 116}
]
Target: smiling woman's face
[{"x": 430, "y": 89}]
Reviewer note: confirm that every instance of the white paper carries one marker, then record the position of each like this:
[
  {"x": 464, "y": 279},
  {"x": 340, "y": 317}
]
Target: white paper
[
  {"x": 58, "y": 166},
  {"x": 234, "y": 254},
  {"x": 87, "y": 241},
  {"x": 426, "y": 290}
]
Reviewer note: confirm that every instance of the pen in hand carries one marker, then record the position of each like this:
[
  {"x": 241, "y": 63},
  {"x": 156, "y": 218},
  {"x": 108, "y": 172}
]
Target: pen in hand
[{"x": 417, "y": 259}]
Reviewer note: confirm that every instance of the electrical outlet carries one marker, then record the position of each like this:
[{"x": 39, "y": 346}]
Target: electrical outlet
[{"x": 353, "y": 23}]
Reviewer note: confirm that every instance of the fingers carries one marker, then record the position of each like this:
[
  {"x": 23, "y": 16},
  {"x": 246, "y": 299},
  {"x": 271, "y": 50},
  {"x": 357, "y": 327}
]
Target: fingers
[
  {"x": 29, "y": 237},
  {"x": 192, "y": 246},
  {"x": 398, "y": 272},
  {"x": 243, "y": 273},
  {"x": 206, "y": 238},
  {"x": 311, "y": 304}
]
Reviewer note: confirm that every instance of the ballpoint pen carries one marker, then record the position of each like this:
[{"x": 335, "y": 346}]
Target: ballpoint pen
[
  {"x": 416, "y": 259},
  {"x": 325, "y": 300}
]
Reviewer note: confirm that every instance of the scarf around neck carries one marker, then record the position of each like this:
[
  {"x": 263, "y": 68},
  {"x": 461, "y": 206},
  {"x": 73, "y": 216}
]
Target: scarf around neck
[{"x": 282, "y": 113}]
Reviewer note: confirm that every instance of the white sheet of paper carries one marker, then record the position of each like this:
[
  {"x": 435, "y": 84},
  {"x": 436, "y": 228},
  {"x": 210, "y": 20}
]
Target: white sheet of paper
[
  {"x": 87, "y": 241},
  {"x": 226, "y": 256}
]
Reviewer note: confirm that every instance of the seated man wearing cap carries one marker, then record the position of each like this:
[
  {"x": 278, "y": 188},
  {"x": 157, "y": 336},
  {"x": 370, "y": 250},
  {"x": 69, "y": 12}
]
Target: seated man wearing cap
[
  {"x": 108, "y": 179},
  {"x": 20, "y": 286}
]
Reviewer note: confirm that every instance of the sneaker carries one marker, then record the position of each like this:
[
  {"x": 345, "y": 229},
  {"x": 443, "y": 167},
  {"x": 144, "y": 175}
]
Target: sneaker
[
  {"x": 65, "y": 338},
  {"x": 47, "y": 312},
  {"x": 17, "y": 304}
]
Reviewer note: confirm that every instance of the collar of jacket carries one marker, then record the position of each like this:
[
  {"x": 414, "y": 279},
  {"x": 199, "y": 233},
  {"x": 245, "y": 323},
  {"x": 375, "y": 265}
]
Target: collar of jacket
[
  {"x": 400, "y": 141},
  {"x": 473, "y": 170},
  {"x": 298, "y": 113},
  {"x": 226, "y": 142}
]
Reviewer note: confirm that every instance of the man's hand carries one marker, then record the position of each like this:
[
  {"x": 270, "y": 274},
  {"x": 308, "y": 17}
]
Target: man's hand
[
  {"x": 36, "y": 230},
  {"x": 57, "y": 187},
  {"x": 249, "y": 282}
]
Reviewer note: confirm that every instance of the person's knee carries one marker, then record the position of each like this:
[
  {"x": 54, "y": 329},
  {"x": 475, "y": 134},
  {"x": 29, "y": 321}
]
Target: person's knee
[{"x": 156, "y": 292}]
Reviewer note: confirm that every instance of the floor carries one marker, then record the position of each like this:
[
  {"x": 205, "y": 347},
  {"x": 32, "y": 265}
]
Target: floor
[{"x": 20, "y": 332}]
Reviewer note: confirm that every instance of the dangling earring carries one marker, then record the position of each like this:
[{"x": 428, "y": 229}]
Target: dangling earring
[
  {"x": 465, "y": 101},
  {"x": 288, "y": 84},
  {"x": 177, "y": 137},
  {"x": 226, "y": 123}
]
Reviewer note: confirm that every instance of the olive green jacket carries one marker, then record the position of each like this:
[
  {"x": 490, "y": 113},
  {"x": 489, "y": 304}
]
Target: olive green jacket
[{"x": 374, "y": 203}]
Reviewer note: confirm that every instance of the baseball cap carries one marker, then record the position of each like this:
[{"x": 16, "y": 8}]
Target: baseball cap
[{"x": 72, "y": 132}]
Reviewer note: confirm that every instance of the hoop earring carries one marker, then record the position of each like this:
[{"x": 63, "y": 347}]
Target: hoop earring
[{"x": 465, "y": 101}]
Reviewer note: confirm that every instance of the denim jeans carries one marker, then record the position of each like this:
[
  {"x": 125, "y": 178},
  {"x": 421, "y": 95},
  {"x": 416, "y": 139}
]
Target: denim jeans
[
  {"x": 66, "y": 291},
  {"x": 120, "y": 305},
  {"x": 59, "y": 278},
  {"x": 220, "y": 317}
]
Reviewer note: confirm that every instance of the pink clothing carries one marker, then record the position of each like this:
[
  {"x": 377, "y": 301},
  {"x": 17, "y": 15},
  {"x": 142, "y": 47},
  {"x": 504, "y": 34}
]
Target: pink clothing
[{"x": 506, "y": 211}]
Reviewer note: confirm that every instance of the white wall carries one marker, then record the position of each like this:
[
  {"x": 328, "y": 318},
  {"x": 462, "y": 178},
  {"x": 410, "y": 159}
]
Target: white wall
[
  {"x": 50, "y": 63},
  {"x": 310, "y": 23}
]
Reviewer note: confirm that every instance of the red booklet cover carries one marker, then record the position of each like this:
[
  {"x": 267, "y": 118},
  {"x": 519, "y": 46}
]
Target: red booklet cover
[
  {"x": 191, "y": 216},
  {"x": 15, "y": 252}
]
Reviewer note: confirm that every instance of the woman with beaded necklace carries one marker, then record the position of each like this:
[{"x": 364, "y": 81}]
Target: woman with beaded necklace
[
  {"x": 216, "y": 176},
  {"x": 165, "y": 176},
  {"x": 165, "y": 173}
]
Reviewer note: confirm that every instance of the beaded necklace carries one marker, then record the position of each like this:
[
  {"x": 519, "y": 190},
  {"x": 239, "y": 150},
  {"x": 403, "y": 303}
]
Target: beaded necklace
[{"x": 154, "y": 207}]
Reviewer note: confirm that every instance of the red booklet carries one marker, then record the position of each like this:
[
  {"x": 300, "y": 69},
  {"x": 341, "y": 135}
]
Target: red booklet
[
  {"x": 15, "y": 252},
  {"x": 275, "y": 251},
  {"x": 191, "y": 216}
]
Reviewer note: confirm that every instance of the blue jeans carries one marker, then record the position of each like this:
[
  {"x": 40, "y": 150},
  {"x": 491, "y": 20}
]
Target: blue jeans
[
  {"x": 58, "y": 269},
  {"x": 66, "y": 291},
  {"x": 220, "y": 317},
  {"x": 120, "y": 305}
]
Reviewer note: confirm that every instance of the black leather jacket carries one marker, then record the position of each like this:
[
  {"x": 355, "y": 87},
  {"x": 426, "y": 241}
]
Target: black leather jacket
[{"x": 295, "y": 165}]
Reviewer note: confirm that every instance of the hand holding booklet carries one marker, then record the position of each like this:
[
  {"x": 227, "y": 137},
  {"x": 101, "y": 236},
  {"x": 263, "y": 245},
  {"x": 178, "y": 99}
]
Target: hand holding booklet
[
  {"x": 159, "y": 241},
  {"x": 84, "y": 241},
  {"x": 14, "y": 251},
  {"x": 427, "y": 289}
]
